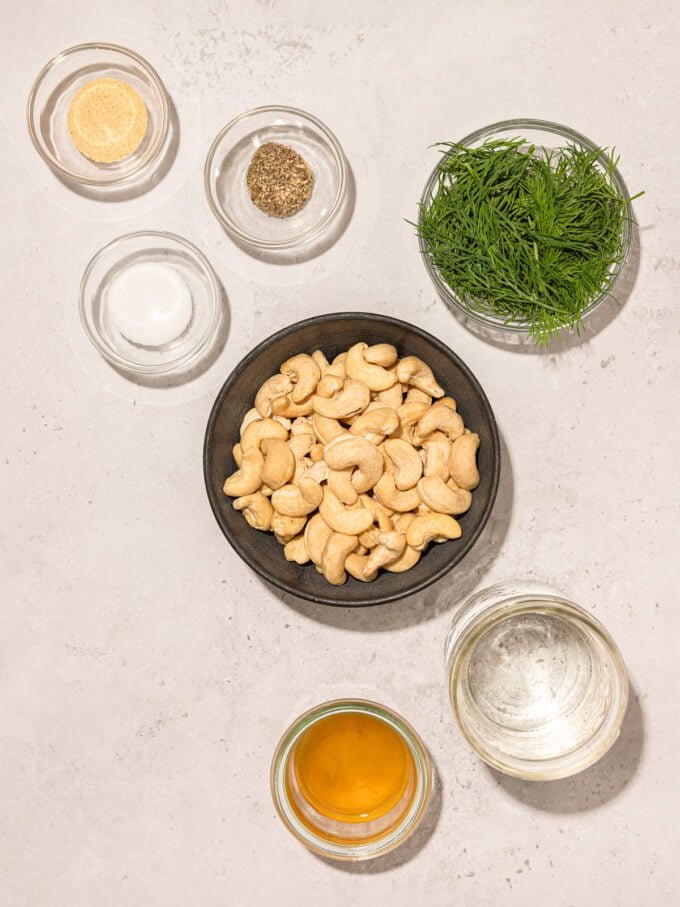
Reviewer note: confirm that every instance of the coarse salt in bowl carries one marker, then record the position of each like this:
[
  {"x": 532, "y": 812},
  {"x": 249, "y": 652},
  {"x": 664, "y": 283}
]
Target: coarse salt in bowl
[{"x": 150, "y": 302}]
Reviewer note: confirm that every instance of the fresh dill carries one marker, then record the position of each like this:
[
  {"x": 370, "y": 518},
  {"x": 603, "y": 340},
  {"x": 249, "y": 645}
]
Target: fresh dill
[{"x": 528, "y": 235}]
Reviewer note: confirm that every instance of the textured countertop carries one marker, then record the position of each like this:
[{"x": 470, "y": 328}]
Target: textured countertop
[{"x": 145, "y": 672}]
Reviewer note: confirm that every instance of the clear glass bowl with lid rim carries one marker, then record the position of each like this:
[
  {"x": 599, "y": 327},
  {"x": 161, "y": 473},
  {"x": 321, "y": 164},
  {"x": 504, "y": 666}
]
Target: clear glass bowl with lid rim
[
  {"x": 50, "y": 97},
  {"x": 227, "y": 164},
  {"x": 537, "y": 685},
  {"x": 544, "y": 134}
]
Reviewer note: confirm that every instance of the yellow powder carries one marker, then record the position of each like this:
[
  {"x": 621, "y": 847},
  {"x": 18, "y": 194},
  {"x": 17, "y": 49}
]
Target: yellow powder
[{"x": 107, "y": 120}]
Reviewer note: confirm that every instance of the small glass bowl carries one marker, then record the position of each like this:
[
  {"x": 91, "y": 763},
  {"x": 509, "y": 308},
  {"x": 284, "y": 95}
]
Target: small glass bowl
[
  {"x": 538, "y": 686},
  {"x": 196, "y": 272},
  {"x": 227, "y": 164},
  {"x": 49, "y": 102},
  {"x": 544, "y": 135},
  {"x": 347, "y": 840}
]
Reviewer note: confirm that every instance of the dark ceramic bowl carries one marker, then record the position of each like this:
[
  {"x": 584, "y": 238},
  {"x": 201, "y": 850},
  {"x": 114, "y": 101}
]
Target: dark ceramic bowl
[{"x": 333, "y": 334}]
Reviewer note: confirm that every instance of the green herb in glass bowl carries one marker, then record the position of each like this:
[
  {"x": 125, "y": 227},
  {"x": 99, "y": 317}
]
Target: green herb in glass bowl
[{"x": 525, "y": 235}]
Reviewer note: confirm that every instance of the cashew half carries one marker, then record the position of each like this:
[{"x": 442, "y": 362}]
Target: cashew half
[
  {"x": 384, "y": 354},
  {"x": 276, "y": 386},
  {"x": 431, "y": 527},
  {"x": 389, "y": 549},
  {"x": 375, "y": 424},
  {"x": 296, "y": 550},
  {"x": 388, "y": 494},
  {"x": 352, "y": 399},
  {"x": 462, "y": 463},
  {"x": 374, "y": 376},
  {"x": 337, "y": 548},
  {"x": 279, "y": 462},
  {"x": 304, "y": 373},
  {"x": 440, "y": 418},
  {"x": 286, "y": 527},
  {"x": 413, "y": 371},
  {"x": 256, "y": 509},
  {"x": 441, "y": 498},
  {"x": 347, "y": 520},
  {"x": 298, "y": 500},
  {"x": 403, "y": 462},
  {"x": 255, "y": 433},
  {"x": 317, "y": 532},
  {"x": 248, "y": 478},
  {"x": 348, "y": 450}
]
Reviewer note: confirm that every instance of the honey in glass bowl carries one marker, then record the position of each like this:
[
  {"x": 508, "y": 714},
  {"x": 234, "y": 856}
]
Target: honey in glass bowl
[{"x": 351, "y": 779}]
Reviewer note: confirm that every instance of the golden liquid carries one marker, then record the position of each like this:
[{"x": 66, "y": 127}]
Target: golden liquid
[{"x": 352, "y": 767}]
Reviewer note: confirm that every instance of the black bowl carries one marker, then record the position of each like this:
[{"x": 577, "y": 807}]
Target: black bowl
[{"x": 333, "y": 334}]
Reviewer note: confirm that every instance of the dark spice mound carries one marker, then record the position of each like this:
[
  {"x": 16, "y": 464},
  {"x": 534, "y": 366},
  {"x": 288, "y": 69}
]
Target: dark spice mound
[{"x": 279, "y": 180}]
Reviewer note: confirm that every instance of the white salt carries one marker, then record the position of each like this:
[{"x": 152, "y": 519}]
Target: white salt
[{"x": 149, "y": 303}]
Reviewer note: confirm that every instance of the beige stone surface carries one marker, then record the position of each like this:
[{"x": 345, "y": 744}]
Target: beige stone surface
[{"x": 145, "y": 673}]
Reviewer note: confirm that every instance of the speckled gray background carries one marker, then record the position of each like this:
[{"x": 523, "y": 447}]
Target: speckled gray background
[{"x": 145, "y": 672}]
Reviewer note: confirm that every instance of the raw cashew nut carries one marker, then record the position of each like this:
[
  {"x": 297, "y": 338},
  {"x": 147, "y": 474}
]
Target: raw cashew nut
[
  {"x": 384, "y": 354},
  {"x": 279, "y": 462},
  {"x": 276, "y": 386},
  {"x": 286, "y": 406},
  {"x": 415, "y": 395},
  {"x": 286, "y": 527},
  {"x": 298, "y": 500},
  {"x": 317, "y": 532},
  {"x": 337, "y": 548},
  {"x": 403, "y": 462},
  {"x": 296, "y": 550},
  {"x": 255, "y": 433},
  {"x": 389, "y": 549},
  {"x": 462, "y": 463},
  {"x": 330, "y": 385},
  {"x": 408, "y": 559},
  {"x": 431, "y": 527},
  {"x": 340, "y": 483},
  {"x": 392, "y": 397},
  {"x": 326, "y": 429},
  {"x": 381, "y": 515},
  {"x": 248, "y": 478},
  {"x": 347, "y": 520},
  {"x": 256, "y": 509},
  {"x": 348, "y": 450},
  {"x": 388, "y": 494},
  {"x": 441, "y": 498},
  {"x": 304, "y": 373},
  {"x": 352, "y": 399},
  {"x": 355, "y": 565},
  {"x": 375, "y": 376},
  {"x": 413, "y": 371},
  {"x": 375, "y": 424},
  {"x": 437, "y": 449},
  {"x": 440, "y": 418}
]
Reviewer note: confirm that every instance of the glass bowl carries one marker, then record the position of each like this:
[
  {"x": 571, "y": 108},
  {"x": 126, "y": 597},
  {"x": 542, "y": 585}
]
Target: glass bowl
[
  {"x": 544, "y": 135},
  {"x": 335, "y": 333},
  {"x": 537, "y": 685},
  {"x": 49, "y": 102},
  {"x": 184, "y": 260},
  {"x": 227, "y": 164},
  {"x": 321, "y": 824}
]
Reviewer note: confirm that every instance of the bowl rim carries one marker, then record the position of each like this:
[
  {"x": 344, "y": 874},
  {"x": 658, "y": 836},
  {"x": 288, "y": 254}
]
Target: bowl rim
[
  {"x": 497, "y": 322},
  {"x": 474, "y": 618},
  {"x": 231, "y": 226},
  {"x": 370, "y": 597},
  {"x": 391, "y": 839},
  {"x": 114, "y": 178},
  {"x": 215, "y": 295}
]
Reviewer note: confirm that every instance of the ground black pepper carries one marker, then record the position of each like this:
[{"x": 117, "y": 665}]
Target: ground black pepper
[{"x": 279, "y": 180}]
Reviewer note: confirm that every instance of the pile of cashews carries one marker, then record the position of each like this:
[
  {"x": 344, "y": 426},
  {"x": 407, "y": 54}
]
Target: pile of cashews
[{"x": 356, "y": 464}]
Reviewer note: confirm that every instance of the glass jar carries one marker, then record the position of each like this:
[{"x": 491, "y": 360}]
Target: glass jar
[{"x": 537, "y": 685}]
